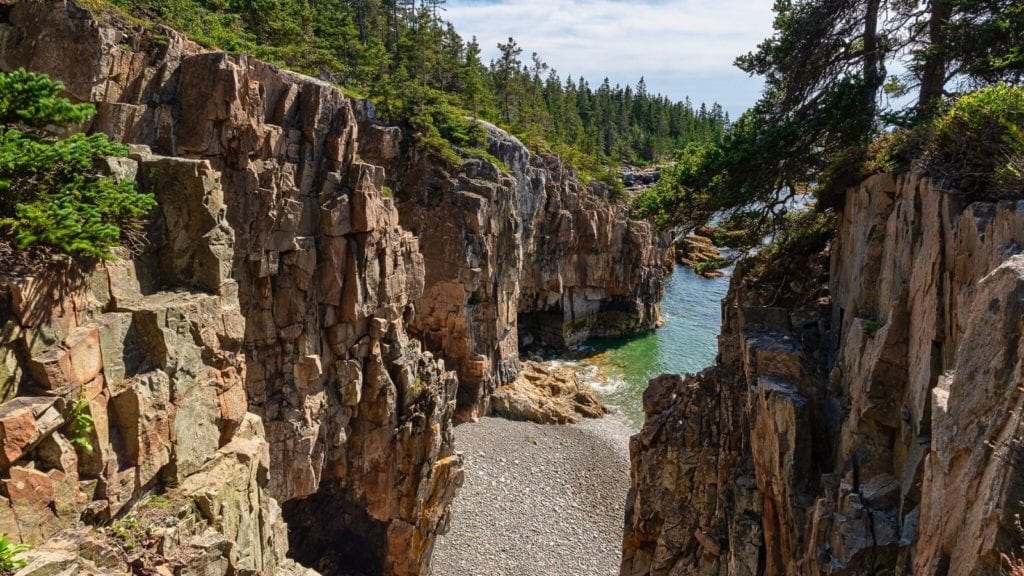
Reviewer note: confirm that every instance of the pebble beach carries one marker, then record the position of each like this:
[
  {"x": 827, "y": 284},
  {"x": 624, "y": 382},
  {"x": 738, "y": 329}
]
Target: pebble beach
[{"x": 538, "y": 500}]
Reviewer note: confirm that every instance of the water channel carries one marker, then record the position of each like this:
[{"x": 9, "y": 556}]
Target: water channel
[{"x": 619, "y": 368}]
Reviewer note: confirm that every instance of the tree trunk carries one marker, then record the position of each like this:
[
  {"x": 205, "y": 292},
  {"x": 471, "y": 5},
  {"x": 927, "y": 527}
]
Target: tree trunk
[
  {"x": 933, "y": 72},
  {"x": 872, "y": 56}
]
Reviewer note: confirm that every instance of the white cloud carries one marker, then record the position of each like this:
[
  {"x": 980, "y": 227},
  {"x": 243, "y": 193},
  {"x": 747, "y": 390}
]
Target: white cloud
[{"x": 683, "y": 47}]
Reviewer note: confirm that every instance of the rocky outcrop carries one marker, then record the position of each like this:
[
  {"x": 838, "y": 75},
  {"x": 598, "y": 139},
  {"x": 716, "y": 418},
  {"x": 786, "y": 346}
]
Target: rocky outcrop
[
  {"x": 310, "y": 277},
  {"x": 635, "y": 178},
  {"x": 278, "y": 248},
  {"x": 591, "y": 271},
  {"x": 131, "y": 381},
  {"x": 694, "y": 250},
  {"x": 546, "y": 395},
  {"x": 517, "y": 253},
  {"x": 878, "y": 432}
]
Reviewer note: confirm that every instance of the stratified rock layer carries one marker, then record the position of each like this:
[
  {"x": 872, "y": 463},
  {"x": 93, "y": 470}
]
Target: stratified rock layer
[
  {"x": 878, "y": 434},
  {"x": 283, "y": 302}
]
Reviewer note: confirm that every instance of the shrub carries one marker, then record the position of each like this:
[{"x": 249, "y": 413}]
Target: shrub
[
  {"x": 871, "y": 327},
  {"x": 978, "y": 146},
  {"x": 705, "y": 268},
  {"x": 51, "y": 192},
  {"x": 9, "y": 552},
  {"x": 793, "y": 270},
  {"x": 128, "y": 533}
]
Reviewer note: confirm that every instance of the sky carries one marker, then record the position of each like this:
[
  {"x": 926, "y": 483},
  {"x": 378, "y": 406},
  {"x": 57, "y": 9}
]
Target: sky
[{"x": 681, "y": 47}]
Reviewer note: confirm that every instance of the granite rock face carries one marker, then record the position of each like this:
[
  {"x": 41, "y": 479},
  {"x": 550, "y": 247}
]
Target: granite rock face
[
  {"x": 879, "y": 432},
  {"x": 149, "y": 351},
  {"x": 517, "y": 255},
  {"x": 283, "y": 252},
  {"x": 293, "y": 320}
]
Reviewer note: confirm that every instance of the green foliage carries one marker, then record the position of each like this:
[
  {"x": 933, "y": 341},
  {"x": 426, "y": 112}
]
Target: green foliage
[
  {"x": 129, "y": 533},
  {"x": 158, "y": 502},
  {"x": 80, "y": 425},
  {"x": 50, "y": 190},
  {"x": 819, "y": 122},
  {"x": 704, "y": 268},
  {"x": 793, "y": 269},
  {"x": 34, "y": 101},
  {"x": 977, "y": 147},
  {"x": 681, "y": 196},
  {"x": 482, "y": 153},
  {"x": 418, "y": 387},
  {"x": 803, "y": 232},
  {"x": 417, "y": 70},
  {"x": 871, "y": 327},
  {"x": 9, "y": 552}
]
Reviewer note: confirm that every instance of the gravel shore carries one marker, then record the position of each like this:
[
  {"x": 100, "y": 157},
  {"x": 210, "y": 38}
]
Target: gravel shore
[{"x": 539, "y": 500}]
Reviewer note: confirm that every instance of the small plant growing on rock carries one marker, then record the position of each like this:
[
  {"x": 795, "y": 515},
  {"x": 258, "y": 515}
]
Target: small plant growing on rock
[
  {"x": 417, "y": 387},
  {"x": 159, "y": 502},
  {"x": 711, "y": 266},
  {"x": 80, "y": 423},
  {"x": 129, "y": 534},
  {"x": 871, "y": 327},
  {"x": 9, "y": 555}
]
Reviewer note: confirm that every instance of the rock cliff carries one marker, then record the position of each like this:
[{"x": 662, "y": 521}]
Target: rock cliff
[
  {"x": 517, "y": 255},
  {"x": 286, "y": 337},
  {"x": 877, "y": 431}
]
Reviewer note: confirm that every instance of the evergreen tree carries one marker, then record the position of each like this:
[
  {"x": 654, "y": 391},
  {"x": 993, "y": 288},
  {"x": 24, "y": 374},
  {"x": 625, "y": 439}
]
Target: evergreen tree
[
  {"x": 50, "y": 192},
  {"x": 505, "y": 73}
]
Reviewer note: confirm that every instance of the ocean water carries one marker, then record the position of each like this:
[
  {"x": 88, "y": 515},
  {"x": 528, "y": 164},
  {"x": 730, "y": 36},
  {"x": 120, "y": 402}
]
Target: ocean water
[{"x": 619, "y": 368}]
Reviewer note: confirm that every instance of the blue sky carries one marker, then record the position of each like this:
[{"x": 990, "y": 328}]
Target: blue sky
[{"x": 682, "y": 48}]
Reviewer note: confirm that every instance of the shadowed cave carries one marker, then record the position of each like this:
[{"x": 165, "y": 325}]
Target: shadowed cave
[{"x": 332, "y": 536}]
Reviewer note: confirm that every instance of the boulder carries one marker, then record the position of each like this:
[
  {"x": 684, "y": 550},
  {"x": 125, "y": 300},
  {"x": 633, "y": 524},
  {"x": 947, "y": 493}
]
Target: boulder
[{"x": 546, "y": 396}]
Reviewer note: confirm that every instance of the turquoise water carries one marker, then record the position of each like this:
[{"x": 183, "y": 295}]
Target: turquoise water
[{"x": 619, "y": 368}]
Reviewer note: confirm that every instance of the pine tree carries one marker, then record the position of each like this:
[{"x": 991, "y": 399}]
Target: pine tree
[
  {"x": 505, "y": 72},
  {"x": 50, "y": 191}
]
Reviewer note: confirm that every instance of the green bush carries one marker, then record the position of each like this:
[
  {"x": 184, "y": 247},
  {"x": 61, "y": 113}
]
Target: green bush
[
  {"x": 683, "y": 193},
  {"x": 793, "y": 269},
  {"x": 977, "y": 148},
  {"x": 51, "y": 192},
  {"x": 871, "y": 327},
  {"x": 9, "y": 552}
]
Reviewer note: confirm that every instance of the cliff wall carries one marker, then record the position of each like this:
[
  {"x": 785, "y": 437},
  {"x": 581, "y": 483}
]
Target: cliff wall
[
  {"x": 517, "y": 255},
  {"x": 310, "y": 278},
  {"x": 875, "y": 432}
]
